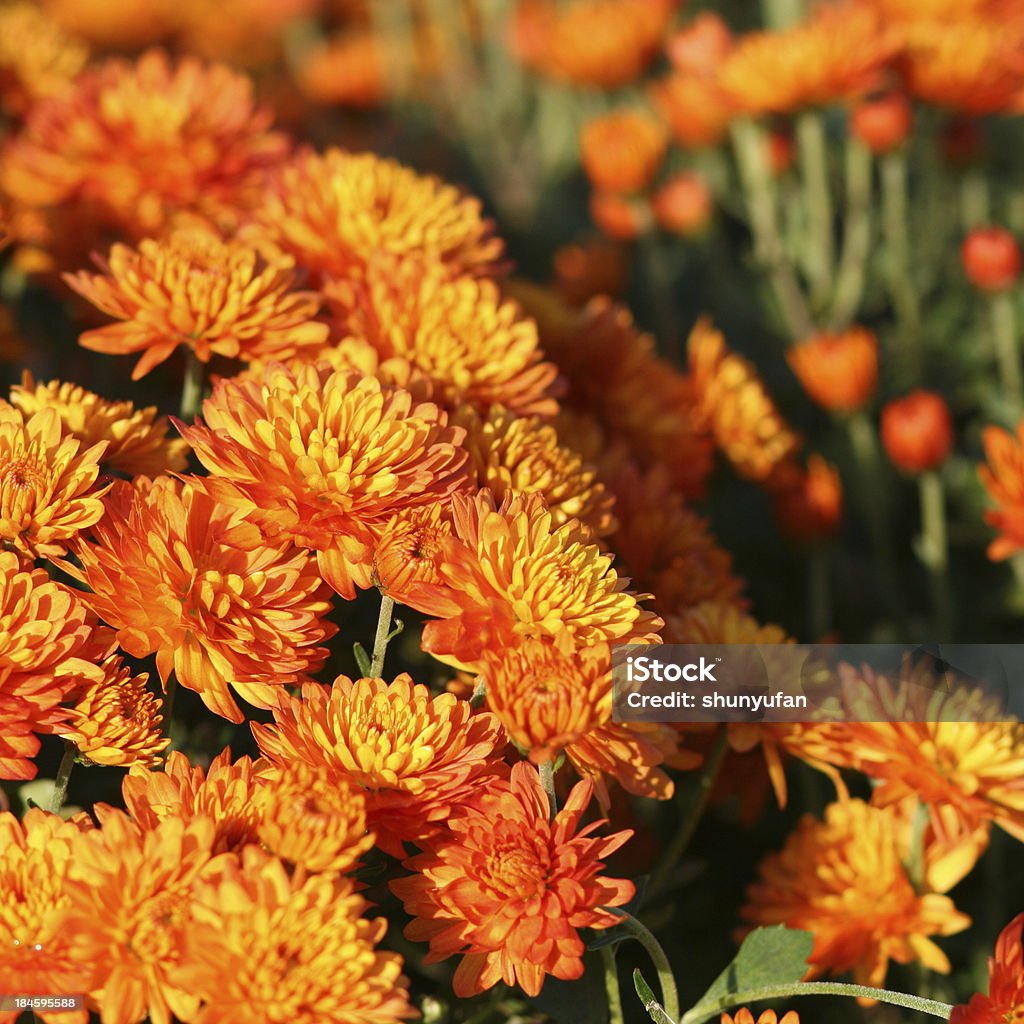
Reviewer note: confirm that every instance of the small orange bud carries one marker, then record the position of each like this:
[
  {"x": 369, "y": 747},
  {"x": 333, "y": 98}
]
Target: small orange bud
[
  {"x": 683, "y": 204},
  {"x": 882, "y": 124},
  {"x": 991, "y": 259},
  {"x": 917, "y": 431},
  {"x": 622, "y": 151},
  {"x": 839, "y": 371},
  {"x": 596, "y": 267},
  {"x": 809, "y": 503},
  {"x": 701, "y": 47},
  {"x": 619, "y": 216}
]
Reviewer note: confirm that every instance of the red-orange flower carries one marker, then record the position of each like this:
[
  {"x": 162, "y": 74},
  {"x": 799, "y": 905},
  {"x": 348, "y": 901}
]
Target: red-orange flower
[
  {"x": 697, "y": 110},
  {"x": 415, "y": 756},
  {"x": 1005, "y": 999},
  {"x": 838, "y": 370},
  {"x": 184, "y": 576},
  {"x": 843, "y": 879},
  {"x": 325, "y": 459},
  {"x": 195, "y": 290},
  {"x": 136, "y": 439},
  {"x": 917, "y": 431},
  {"x": 808, "y": 503},
  {"x": 138, "y": 142},
  {"x": 48, "y": 647},
  {"x": 991, "y": 259},
  {"x": 507, "y": 889},
  {"x": 1003, "y": 477},
  {"x": 407, "y": 554},
  {"x": 509, "y": 574},
  {"x": 622, "y": 151},
  {"x": 339, "y": 212},
  {"x": 48, "y": 490}
]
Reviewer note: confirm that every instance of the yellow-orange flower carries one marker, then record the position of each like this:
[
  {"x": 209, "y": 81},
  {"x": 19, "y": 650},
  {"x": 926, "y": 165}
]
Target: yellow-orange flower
[
  {"x": 265, "y": 946},
  {"x": 325, "y": 459},
  {"x": 137, "y": 441},
  {"x": 604, "y": 43},
  {"x": 112, "y": 24},
  {"x": 507, "y": 889},
  {"x": 184, "y": 576},
  {"x": 838, "y": 370},
  {"x": 37, "y": 57},
  {"x": 195, "y": 290},
  {"x": 509, "y": 574},
  {"x": 721, "y": 622},
  {"x": 841, "y": 52},
  {"x": 407, "y": 554},
  {"x": 736, "y": 407},
  {"x": 843, "y": 880},
  {"x": 34, "y": 956},
  {"x": 128, "y": 912},
  {"x": 48, "y": 489},
  {"x": 1003, "y": 477},
  {"x": 346, "y": 69},
  {"x": 550, "y": 702},
  {"x": 48, "y": 647},
  {"x": 339, "y": 212},
  {"x": 744, "y": 1016},
  {"x": 622, "y": 151},
  {"x": 475, "y": 347},
  {"x": 510, "y": 454},
  {"x": 966, "y": 64},
  {"x": 116, "y": 720},
  {"x": 311, "y": 817},
  {"x": 414, "y": 755},
  {"x": 138, "y": 142},
  {"x": 1005, "y": 998}
]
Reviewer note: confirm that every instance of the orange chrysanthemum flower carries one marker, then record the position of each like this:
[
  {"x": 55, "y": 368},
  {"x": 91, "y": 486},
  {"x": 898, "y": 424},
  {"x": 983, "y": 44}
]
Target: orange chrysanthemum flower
[
  {"x": 666, "y": 547},
  {"x": 38, "y": 58},
  {"x": 1005, "y": 999},
  {"x": 604, "y": 43},
  {"x": 550, "y": 702},
  {"x": 1003, "y": 477},
  {"x": 49, "y": 645},
  {"x": 744, "y": 1016},
  {"x": 137, "y": 441},
  {"x": 839, "y": 371},
  {"x": 183, "y": 576},
  {"x": 34, "y": 955},
  {"x": 137, "y": 143},
  {"x": 507, "y": 889},
  {"x": 509, "y": 454},
  {"x": 195, "y": 290},
  {"x": 509, "y": 573},
  {"x": 739, "y": 412},
  {"x": 721, "y": 622},
  {"x": 347, "y": 69},
  {"x": 116, "y": 719},
  {"x": 267, "y": 946},
  {"x": 312, "y": 818},
  {"x": 967, "y": 64},
  {"x": 698, "y": 112},
  {"x": 128, "y": 912},
  {"x": 339, "y": 213},
  {"x": 48, "y": 490},
  {"x": 325, "y": 459},
  {"x": 474, "y": 346},
  {"x": 622, "y": 151},
  {"x": 407, "y": 556},
  {"x": 112, "y": 24},
  {"x": 840, "y": 53},
  {"x": 414, "y": 755},
  {"x": 843, "y": 880}
]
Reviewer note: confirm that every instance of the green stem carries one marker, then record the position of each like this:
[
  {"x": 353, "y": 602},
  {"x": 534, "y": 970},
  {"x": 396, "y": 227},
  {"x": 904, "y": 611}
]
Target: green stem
[
  {"x": 691, "y": 816},
  {"x": 667, "y": 980},
  {"x": 547, "y": 780},
  {"x": 974, "y": 199},
  {"x": 875, "y": 507},
  {"x": 60, "y": 786},
  {"x": 769, "y": 251},
  {"x": 819, "y": 597},
  {"x": 896, "y": 227},
  {"x": 813, "y": 150},
  {"x": 611, "y": 985},
  {"x": 380, "y": 641},
  {"x": 856, "y": 235},
  {"x": 816, "y": 988},
  {"x": 935, "y": 552},
  {"x": 1004, "y": 331},
  {"x": 192, "y": 389},
  {"x": 780, "y": 14}
]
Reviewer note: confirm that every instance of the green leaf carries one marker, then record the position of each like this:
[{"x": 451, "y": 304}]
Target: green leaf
[
  {"x": 768, "y": 957},
  {"x": 654, "y": 1009},
  {"x": 362, "y": 659}
]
